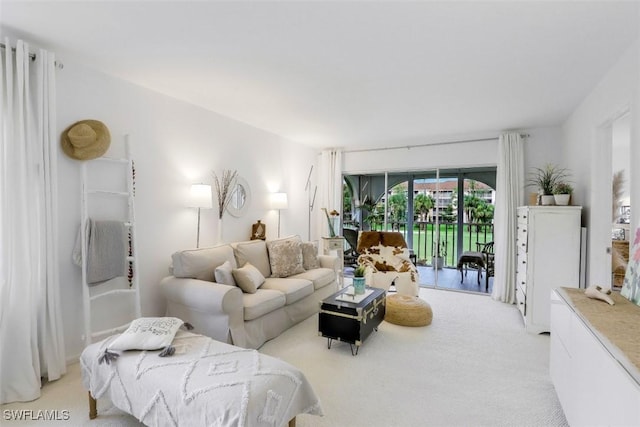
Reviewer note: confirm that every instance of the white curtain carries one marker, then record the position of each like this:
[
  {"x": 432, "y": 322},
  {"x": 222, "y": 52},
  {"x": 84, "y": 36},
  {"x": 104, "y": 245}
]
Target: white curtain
[
  {"x": 32, "y": 344},
  {"x": 509, "y": 195},
  {"x": 329, "y": 187}
]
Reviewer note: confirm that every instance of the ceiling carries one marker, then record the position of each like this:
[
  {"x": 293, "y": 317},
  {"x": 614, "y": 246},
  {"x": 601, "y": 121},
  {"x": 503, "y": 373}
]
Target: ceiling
[{"x": 354, "y": 73}]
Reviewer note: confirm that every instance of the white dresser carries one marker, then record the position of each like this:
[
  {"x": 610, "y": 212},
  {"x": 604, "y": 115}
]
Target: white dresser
[
  {"x": 591, "y": 361},
  {"x": 548, "y": 257}
]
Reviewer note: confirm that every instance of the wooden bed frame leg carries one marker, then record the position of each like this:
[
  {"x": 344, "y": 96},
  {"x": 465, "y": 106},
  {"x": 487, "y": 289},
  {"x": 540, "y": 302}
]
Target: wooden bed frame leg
[
  {"x": 292, "y": 422},
  {"x": 93, "y": 411}
]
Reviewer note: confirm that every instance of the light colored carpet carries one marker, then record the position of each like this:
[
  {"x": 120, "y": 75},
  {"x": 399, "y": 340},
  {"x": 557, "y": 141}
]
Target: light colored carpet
[{"x": 473, "y": 366}]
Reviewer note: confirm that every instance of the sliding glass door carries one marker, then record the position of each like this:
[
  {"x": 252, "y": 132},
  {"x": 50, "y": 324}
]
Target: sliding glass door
[{"x": 441, "y": 213}]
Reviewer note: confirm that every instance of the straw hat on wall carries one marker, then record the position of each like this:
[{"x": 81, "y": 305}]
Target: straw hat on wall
[{"x": 86, "y": 140}]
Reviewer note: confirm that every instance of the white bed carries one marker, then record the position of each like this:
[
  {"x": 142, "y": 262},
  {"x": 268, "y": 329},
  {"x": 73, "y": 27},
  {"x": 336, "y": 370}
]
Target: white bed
[{"x": 205, "y": 383}]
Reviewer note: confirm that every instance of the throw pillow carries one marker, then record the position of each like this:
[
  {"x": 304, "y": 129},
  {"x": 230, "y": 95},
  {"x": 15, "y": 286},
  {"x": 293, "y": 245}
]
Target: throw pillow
[
  {"x": 631, "y": 286},
  {"x": 147, "y": 333},
  {"x": 248, "y": 278},
  {"x": 285, "y": 258},
  {"x": 310, "y": 255},
  {"x": 254, "y": 252},
  {"x": 224, "y": 274}
]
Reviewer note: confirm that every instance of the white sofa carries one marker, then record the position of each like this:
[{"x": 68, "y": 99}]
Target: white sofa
[{"x": 196, "y": 293}]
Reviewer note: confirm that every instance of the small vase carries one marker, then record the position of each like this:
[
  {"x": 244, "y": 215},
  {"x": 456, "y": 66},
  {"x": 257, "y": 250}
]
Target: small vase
[
  {"x": 219, "y": 238},
  {"x": 547, "y": 199},
  {"x": 358, "y": 285},
  {"x": 437, "y": 262},
  {"x": 562, "y": 199}
]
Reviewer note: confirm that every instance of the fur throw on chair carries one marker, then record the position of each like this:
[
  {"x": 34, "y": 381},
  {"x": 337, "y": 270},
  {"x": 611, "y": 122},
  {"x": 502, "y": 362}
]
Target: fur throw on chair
[{"x": 386, "y": 259}]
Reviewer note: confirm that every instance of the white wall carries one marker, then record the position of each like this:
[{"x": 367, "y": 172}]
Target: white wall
[
  {"x": 541, "y": 146},
  {"x": 587, "y": 146},
  {"x": 174, "y": 144}
]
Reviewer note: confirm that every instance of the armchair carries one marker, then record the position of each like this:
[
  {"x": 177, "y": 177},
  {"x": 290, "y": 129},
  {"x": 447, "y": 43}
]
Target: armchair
[{"x": 387, "y": 262}]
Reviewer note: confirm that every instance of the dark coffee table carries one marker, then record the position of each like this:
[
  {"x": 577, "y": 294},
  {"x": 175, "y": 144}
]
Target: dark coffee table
[{"x": 351, "y": 319}]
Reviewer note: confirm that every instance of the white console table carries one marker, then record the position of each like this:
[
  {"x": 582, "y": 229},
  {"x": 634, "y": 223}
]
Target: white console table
[
  {"x": 335, "y": 246},
  {"x": 597, "y": 381}
]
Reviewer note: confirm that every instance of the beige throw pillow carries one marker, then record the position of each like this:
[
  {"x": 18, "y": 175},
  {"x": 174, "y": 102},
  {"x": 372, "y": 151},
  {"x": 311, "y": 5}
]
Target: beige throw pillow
[
  {"x": 248, "y": 278},
  {"x": 310, "y": 255},
  {"x": 285, "y": 258}
]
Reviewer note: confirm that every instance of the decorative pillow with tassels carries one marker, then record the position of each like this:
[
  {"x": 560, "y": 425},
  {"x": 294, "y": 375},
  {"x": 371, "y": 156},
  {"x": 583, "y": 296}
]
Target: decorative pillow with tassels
[{"x": 146, "y": 333}]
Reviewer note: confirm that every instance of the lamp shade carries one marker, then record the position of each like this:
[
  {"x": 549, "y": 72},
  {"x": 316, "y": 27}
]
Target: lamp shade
[
  {"x": 279, "y": 201},
  {"x": 200, "y": 196}
]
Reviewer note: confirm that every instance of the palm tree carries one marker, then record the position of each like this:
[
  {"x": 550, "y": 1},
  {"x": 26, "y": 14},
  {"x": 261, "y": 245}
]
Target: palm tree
[
  {"x": 423, "y": 204},
  {"x": 398, "y": 206},
  {"x": 471, "y": 203},
  {"x": 483, "y": 213}
]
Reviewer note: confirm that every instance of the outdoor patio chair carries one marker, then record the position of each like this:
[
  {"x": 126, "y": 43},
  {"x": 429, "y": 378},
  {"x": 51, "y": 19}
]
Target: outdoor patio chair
[
  {"x": 489, "y": 261},
  {"x": 351, "y": 253},
  {"x": 480, "y": 259}
]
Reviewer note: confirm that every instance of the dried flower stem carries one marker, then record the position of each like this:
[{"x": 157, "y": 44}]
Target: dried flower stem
[{"x": 224, "y": 189}]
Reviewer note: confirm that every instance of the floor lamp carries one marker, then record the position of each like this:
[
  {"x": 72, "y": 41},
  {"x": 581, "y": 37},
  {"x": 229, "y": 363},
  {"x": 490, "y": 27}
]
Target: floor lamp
[
  {"x": 279, "y": 202},
  {"x": 201, "y": 199}
]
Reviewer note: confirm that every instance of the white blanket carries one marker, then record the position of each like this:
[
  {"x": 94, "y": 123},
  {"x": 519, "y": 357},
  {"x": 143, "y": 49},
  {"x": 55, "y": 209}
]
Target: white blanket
[{"x": 205, "y": 383}]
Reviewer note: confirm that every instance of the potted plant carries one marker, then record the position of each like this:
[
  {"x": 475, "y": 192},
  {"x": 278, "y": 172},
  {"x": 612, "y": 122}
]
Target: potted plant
[
  {"x": 439, "y": 253},
  {"x": 546, "y": 179},
  {"x": 562, "y": 193},
  {"x": 358, "y": 279}
]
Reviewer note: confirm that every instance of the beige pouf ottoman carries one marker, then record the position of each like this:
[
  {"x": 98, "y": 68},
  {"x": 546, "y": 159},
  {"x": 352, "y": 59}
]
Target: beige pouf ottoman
[{"x": 407, "y": 310}]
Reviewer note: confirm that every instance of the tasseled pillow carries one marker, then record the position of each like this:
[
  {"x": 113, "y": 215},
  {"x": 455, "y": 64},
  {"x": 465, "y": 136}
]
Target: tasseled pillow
[{"x": 145, "y": 333}]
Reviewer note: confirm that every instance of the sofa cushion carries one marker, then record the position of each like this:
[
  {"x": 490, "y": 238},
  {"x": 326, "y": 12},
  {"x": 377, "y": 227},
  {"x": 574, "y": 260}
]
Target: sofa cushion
[
  {"x": 262, "y": 302},
  {"x": 293, "y": 289},
  {"x": 201, "y": 263},
  {"x": 320, "y": 277},
  {"x": 310, "y": 255},
  {"x": 224, "y": 274},
  {"x": 254, "y": 252},
  {"x": 248, "y": 278},
  {"x": 285, "y": 258}
]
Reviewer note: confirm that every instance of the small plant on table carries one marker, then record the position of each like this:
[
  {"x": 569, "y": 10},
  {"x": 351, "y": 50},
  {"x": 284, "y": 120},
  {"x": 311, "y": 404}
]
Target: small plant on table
[{"x": 358, "y": 279}]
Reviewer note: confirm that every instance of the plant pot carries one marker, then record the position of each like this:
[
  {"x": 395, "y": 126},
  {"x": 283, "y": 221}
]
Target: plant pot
[
  {"x": 358, "y": 285},
  {"x": 547, "y": 199},
  {"x": 437, "y": 262},
  {"x": 562, "y": 199}
]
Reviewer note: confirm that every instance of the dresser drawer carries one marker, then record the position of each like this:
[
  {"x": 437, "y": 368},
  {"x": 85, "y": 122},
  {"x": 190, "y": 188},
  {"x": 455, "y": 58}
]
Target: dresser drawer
[
  {"x": 521, "y": 237},
  {"x": 520, "y": 301},
  {"x": 522, "y": 215},
  {"x": 521, "y": 280}
]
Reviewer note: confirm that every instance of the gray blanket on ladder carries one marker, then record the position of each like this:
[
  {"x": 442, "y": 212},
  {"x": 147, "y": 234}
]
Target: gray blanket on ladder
[{"x": 106, "y": 250}]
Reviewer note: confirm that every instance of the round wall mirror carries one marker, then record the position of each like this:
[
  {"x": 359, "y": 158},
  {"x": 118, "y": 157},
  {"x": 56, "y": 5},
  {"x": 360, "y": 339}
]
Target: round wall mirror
[{"x": 240, "y": 198}]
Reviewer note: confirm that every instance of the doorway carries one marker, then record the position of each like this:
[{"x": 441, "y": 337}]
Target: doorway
[
  {"x": 605, "y": 231},
  {"x": 621, "y": 198}
]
